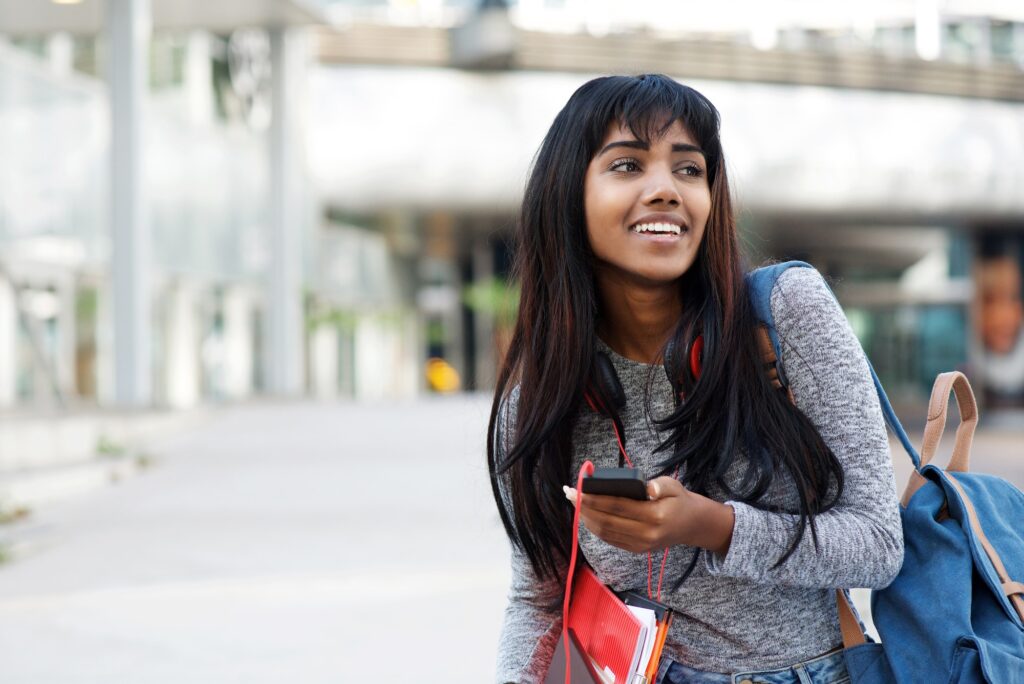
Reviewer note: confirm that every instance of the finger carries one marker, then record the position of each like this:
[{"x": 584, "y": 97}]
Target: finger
[
  {"x": 615, "y": 538},
  {"x": 621, "y": 532},
  {"x": 619, "y": 506},
  {"x": 626, "y": 542}
]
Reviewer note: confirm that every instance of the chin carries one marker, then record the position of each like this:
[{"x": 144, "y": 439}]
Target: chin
[
  {"x": 656, "y": 278},
  {"x": 666, "y": 274}
]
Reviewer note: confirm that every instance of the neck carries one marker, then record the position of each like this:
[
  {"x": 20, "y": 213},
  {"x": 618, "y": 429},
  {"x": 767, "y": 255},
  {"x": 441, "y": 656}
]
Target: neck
[{"x": 637, "y": 319}]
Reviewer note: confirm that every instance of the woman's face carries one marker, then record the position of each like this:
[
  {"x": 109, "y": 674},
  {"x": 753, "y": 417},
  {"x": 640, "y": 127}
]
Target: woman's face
[{"x": 646, "y": 205}]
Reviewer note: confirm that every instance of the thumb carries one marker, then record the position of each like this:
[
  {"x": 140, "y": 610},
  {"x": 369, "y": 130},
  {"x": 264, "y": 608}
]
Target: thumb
[{"x": 659, "y": 487}]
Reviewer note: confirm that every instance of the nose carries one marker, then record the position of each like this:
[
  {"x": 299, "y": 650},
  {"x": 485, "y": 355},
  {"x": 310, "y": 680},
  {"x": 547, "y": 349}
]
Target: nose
[{"x": 661, "y": 191}]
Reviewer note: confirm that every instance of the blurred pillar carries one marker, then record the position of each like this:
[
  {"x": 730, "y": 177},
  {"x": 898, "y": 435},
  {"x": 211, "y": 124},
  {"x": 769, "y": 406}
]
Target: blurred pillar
[
  {"x": 8, "y": 344},
  {"x": 182, "y": 346},
  {"x": 284, "y": 361},
  {"x": 455, "y": 341},
  {"x": 238, "y": 347},
  {"x": 444, "y": 286},
  {"x": 928, "y": 29},
  {"x": 60, "y": 52},
  {"x": 105, "y": 352},
  {"x": 323, "y": 351},
  {"x": 483, "y": 274},
  {"x": 410, "y": 376},
  {"x": 64, "y": 356},
  {"x": 199, "y": 78},
  {"x": 128, "y": 28},
  {"x": 983, "y": 41}
]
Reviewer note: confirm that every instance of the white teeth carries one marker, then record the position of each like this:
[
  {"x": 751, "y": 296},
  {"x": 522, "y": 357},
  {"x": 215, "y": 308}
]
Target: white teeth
[{"x": 657, "y": 228}]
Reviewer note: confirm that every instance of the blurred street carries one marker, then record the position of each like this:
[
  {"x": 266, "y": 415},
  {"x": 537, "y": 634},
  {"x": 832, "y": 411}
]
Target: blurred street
[
  {"x": 258, "y": 280},
  {"x": 287, "y": 543},
  {"x": 281, "y": 543}
]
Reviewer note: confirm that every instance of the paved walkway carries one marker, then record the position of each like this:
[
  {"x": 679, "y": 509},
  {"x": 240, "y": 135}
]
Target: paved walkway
[
  {"x": 286, "y": 543},
  {"x": 295, "y": 543}
]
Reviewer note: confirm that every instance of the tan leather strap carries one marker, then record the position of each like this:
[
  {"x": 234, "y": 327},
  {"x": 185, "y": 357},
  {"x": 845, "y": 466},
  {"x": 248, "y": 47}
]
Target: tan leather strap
[
  {"x": 1004, "y": 577},
  {"x": 957, "y": 383},
  {"x": 937, "y": 408},
  {"x": 848, "y": 623},
  {"x": 764, "y": 341}
]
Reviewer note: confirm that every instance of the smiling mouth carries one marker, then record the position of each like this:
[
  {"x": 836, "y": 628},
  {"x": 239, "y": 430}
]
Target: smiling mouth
[{"x": 657, "y": 229}]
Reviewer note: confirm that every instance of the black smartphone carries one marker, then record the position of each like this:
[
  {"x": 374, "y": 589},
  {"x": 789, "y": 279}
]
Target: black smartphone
[{"x": 624, "y": 482}]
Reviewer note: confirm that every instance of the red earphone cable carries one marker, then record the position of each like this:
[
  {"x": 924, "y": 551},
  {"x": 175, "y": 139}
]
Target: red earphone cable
[
  {"x": 650, "y": 571},
  {"x": 622, "y": 447},
  {"x": 650, "y": 558},
  {"x": 586, "y": 469}
]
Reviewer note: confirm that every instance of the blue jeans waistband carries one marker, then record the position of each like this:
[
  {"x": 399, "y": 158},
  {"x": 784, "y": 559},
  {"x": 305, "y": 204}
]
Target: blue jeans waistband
[{"x": 829, "y": 668}]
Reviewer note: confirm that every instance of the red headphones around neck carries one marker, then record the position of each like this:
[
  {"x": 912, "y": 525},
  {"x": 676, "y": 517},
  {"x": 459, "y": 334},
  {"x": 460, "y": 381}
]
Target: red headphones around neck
[{"x": 604, "y": 394}]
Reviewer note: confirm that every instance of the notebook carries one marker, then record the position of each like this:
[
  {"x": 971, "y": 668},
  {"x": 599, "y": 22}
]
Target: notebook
[{"x": 650, "y": 634}]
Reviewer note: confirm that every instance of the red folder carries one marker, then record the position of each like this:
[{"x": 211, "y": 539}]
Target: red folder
[{"x": 606, "y": 630}]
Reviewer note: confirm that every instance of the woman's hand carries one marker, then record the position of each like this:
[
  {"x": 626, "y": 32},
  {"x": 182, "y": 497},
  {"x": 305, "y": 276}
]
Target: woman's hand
[{"x": 672, "y": 515}]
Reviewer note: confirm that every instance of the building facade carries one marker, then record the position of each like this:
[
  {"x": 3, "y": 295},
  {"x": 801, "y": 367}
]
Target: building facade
[{"x": 887, "y": 149}]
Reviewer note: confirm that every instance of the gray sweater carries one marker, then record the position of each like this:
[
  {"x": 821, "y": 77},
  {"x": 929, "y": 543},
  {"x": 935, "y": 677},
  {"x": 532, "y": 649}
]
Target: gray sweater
[{"x": 738, "y": 613}]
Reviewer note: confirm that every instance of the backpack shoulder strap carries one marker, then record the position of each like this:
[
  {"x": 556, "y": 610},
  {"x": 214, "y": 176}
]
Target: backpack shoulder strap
[{"x": 760, "y": 283}]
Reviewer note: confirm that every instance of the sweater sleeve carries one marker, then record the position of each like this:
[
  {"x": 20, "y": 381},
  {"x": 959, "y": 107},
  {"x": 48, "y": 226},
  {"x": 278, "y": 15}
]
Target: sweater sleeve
[
  {"x": 859, "y": 540},
  {"x": 533, "y": 616}
]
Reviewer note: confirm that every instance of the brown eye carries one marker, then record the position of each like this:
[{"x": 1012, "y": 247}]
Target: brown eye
[
  {"x": 691, "y": 170},
  {"x": 625, "y": 165}
]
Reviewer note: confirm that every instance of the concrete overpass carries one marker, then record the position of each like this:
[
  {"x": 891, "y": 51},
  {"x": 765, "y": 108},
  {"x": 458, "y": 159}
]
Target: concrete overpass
[
  {"x": 827, "y": 152},
  {"x": 806, "y": 135}
]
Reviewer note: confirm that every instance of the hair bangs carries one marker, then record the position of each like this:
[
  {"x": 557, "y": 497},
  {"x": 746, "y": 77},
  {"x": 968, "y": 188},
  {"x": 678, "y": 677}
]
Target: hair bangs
[{"x": 648, "y": 105}]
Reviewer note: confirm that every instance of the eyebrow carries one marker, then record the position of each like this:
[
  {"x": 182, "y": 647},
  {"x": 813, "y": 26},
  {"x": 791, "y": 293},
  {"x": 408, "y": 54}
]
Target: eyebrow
[{"x": 640, "y": 145}]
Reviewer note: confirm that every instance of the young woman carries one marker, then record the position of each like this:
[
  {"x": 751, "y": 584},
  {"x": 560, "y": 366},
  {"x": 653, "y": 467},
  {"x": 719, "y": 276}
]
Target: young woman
[{"x": 760, "y": 505}]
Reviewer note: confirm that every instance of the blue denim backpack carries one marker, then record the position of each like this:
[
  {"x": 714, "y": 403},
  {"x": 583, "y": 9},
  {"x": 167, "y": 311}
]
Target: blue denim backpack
[{"x": 955, "y": 612}]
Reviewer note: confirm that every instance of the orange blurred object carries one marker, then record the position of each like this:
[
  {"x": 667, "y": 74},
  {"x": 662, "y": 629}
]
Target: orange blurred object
[{"x": 441, "y": 376}]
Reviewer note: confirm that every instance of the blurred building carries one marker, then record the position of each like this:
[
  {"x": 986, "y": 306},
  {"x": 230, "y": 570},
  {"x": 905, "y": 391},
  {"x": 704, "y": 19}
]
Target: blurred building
[
  {"x": 884, "y": 142},
  {"x": 154, "y": 214}
]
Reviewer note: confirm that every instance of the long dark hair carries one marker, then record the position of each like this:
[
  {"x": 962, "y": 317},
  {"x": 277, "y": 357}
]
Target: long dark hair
[{"x": 732, "y": 408}]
